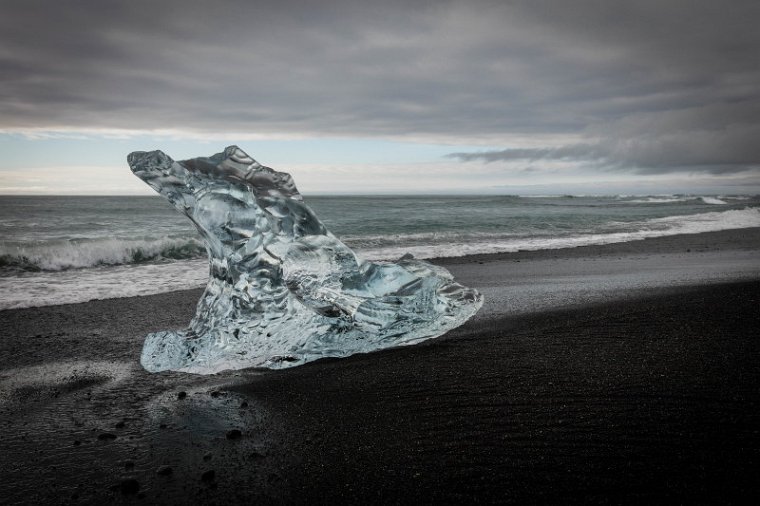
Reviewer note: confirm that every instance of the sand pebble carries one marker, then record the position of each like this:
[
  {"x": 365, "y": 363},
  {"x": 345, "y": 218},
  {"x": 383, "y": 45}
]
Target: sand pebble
[{"x": 129, "y": 486}]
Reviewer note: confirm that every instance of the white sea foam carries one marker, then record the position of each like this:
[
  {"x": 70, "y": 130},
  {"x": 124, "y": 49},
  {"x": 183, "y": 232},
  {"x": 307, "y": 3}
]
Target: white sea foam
[
  {"x": 50, "y": 288},
  {"x": 667, "y": 199},
  {"x": 657, "y": 200},
  {"x": 712, "y": 200}
]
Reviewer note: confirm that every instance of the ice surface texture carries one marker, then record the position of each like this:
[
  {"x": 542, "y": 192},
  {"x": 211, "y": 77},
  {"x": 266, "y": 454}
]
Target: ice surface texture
[{"x": 283, "y": 290}]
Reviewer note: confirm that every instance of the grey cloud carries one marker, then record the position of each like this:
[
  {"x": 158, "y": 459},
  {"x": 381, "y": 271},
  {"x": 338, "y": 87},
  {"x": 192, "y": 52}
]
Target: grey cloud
[
  {"x": 568, "y": 152},
  {"x": 717, "y": 139},
  {"x": 710, "y": 152},
  {"x": 651, "y": 85}
]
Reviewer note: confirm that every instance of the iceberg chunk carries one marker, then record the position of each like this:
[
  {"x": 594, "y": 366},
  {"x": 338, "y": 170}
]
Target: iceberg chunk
[{"x": 282, "y": 289}]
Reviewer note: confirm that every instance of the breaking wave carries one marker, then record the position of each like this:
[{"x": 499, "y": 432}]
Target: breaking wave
[
  {"x": 712, "y": 200},
  {"x": 667, "y": 199},
  {"x": 81, "y": 254}
]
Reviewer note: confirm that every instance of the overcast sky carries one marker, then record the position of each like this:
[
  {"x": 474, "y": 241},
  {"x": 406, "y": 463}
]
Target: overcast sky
[{"x": 517, "y": 97}]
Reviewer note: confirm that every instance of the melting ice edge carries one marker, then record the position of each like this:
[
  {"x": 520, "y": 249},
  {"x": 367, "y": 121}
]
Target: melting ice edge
[{"x": 282, "y": 289}]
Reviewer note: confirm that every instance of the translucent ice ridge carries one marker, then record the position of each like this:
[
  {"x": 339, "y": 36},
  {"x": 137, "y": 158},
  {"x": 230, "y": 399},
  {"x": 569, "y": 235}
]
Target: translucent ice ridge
[{"x": 283, "y": 290}]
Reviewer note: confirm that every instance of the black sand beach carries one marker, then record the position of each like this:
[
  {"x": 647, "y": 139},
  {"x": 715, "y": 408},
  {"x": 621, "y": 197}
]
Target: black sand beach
[{"x": 623, "y": 374}]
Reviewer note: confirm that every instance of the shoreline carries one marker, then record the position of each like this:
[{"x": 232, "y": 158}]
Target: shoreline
[
  {"x": 746, "y": 240},
  {"x": 741, "y": 239}
]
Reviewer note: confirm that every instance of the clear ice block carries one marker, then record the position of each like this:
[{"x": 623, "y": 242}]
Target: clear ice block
[{"x": 282, "y": 289}]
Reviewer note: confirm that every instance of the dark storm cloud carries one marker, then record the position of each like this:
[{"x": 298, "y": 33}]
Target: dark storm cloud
[
  {"x": 649, "y": 150},
  {"x": 653, "y": 86}
]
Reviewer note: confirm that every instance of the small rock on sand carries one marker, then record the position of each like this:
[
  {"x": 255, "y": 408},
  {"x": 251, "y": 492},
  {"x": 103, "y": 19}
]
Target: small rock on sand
[
  {"x": 129, "y": 486},
  {"x": 234, "y": 434}
]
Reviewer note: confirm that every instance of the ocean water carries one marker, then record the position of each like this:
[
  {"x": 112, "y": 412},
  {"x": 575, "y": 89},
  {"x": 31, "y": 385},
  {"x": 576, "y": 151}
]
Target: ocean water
[{"x": 57, "y": 250}]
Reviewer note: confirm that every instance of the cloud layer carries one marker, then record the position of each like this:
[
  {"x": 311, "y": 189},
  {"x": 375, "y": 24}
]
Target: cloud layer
[{"x": 649, "y": 86}]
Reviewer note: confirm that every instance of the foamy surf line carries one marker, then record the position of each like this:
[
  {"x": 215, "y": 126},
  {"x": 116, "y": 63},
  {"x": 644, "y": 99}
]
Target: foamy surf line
[
  {"x": 671, "y": 199},
  {"x": 82, "y": 285},
  {"x": 657, "y": 227},
  {"x": 33, "y": 289},
  {"x": 79, "y": 255}
]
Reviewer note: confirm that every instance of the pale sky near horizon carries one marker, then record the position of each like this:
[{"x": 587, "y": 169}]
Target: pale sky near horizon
[{"x": 524, "y": 97}]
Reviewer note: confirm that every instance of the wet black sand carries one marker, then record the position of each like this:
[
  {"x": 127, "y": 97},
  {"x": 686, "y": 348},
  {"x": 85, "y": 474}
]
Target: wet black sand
[{"x": 652, "y": 396}]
